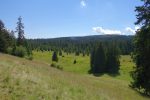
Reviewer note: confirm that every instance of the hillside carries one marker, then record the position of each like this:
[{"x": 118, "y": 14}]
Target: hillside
[
  {"x": 83, "y": 44},
  {"x": 91, "y": 38},
  {"x": 21, "y": 79}
]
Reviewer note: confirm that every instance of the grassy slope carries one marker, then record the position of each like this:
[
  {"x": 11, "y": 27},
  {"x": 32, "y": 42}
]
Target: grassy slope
[{"x": 21, "y": 79}]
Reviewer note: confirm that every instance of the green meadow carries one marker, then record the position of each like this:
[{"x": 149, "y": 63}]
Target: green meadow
[
  {"x": 21, "y": 79},
  {"x": 83, "y": 64}
]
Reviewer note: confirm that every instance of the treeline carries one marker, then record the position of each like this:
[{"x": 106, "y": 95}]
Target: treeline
[
  {"x": 82, "y": 45},
  {"x": 7, "y": 38},
  {"x": 12, "y": 45}
]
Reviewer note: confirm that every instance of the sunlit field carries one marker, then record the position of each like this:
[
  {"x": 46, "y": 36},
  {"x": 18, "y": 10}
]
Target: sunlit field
[
  {"x": 21, "y": 79},
  {"x": 83, "y": 64}
]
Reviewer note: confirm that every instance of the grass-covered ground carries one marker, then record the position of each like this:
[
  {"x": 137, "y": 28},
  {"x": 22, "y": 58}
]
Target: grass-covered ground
[
  {"x": 21, "y": 79},
  {"x": 83, "y": 64}
]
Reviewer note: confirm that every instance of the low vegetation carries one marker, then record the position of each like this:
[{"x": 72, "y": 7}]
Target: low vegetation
[
  {"x": 82, "y": 65},
  {"x": 36, "y": 80}
]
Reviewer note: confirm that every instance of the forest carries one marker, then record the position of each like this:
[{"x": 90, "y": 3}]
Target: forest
[{"x": 83, "y": 45}]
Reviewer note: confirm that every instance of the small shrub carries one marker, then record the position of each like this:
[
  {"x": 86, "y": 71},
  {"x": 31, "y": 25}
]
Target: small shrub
[
  {"x": 59, "y": 67},
  {"x": 9, "y": 50},
  {"x": 74, "y": 62},
  {"x": 30, "y": 57},
  {"x": 53, "y": 65},
  {"x": 56, "y": 66},
  {"x": 19, "y": 51},
  {"x": 60, "y": 53}
]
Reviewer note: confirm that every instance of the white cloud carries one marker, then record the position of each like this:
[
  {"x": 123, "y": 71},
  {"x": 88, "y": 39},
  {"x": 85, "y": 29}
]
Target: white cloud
[
  {"x": 128, "y": 29},
  {"x": 132, "y": 31},
  {"x": 137, "y": 27},
  {"x": 106, "y": 31},
  {"x": 83, "y": 3}
]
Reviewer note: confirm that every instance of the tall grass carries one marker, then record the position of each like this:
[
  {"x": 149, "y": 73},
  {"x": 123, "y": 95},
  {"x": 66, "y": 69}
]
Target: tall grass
[{"x": 21, "y": 79}]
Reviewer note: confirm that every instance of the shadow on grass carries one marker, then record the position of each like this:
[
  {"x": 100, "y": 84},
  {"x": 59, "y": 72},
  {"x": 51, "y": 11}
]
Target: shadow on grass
[
  {"x": 140, "y": 92},
  {"x": 107, "y": 73},
  {"x": 98, "y": 74},
  {"x": 113, "y": 74}
]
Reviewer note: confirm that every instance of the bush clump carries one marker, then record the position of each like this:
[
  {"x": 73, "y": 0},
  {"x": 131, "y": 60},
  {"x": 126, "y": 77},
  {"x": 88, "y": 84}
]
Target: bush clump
[
  {"x": 74, "y": 62},
  {"x": 56, "y": 66},
  {"x": 30, "y": 57},
  {"x": 19, "y": 51},
  {"x": 53, "y": 65},
  {"x": 9, "y": 50}
]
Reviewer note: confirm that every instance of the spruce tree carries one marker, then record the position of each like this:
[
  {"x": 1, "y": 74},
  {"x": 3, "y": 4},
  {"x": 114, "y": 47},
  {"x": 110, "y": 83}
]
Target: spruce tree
[
  {"x": 20, "y": 31},
  {"x": 141, "y": 75},
  {"x": 98, "y": 60},
  {"x": 54, "y": 56},
  {"x": 112, "y": 59}
]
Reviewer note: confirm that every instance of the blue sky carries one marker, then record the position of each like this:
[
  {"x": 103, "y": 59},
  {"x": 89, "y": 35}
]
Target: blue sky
[{"x": 60, "y": 18}]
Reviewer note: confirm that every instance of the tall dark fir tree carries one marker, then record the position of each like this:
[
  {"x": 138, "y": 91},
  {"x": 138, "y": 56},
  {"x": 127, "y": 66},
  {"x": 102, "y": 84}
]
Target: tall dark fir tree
[
  {"x": 141, "y": 75},
  {"x": 98, "y": 60},
  {"x": 112, "y": 59},
  {"x": 20, "y": 31}
]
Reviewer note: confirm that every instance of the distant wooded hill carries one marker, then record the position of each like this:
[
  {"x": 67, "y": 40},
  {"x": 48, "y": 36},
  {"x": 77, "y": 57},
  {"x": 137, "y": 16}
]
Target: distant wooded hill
[{"x": 83, "y": 44}]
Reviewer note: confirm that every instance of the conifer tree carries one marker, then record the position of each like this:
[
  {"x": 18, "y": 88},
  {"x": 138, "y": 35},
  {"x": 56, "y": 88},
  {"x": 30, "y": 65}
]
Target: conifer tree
[
  {"x": 20, "y": 31},
  {"x": 141, "y": 75},
  {"x": 112, "y": 59},
  {"x": 54, "y": 56},
  {"x": 6, "y": 39},
  {"x": 98, "y": 60}
]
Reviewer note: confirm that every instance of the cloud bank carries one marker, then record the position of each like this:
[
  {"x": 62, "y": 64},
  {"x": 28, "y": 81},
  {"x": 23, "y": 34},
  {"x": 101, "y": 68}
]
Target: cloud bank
[
  {"x": 132, "y": 31},
  {"x": 106, "y": 31},
  {"x": 126, "y": 31}
]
